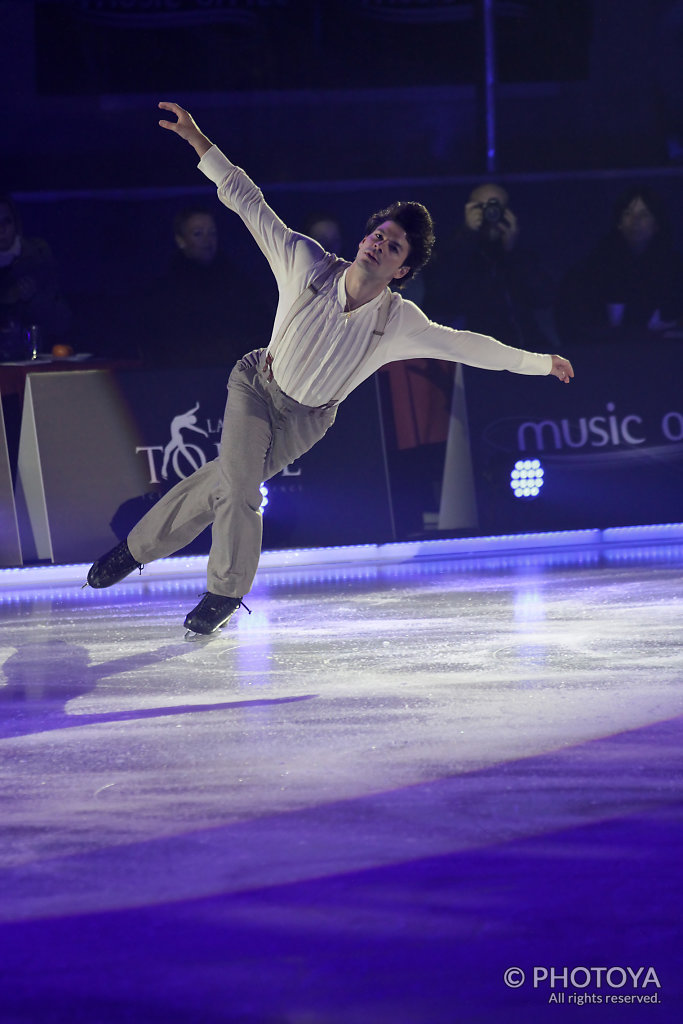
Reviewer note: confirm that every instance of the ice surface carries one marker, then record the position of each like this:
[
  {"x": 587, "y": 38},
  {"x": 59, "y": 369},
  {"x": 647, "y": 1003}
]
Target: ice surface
[{"x": 358, "y": 805}]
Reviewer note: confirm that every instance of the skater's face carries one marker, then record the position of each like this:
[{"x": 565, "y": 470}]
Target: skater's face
[
  {"x": 384, "y": 252},
  {"x": 198, "y": 238}
]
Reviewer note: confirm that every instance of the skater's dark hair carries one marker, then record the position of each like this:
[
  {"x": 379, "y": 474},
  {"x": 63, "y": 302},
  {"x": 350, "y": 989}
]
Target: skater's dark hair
[{"x": 416, "y": 221}]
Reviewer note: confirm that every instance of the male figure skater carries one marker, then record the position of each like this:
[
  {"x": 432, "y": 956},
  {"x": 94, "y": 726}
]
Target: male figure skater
[{"x": 336, "y": 324}]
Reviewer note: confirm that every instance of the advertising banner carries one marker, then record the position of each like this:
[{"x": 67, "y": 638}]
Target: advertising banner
[{"x": 605, "y": 450}]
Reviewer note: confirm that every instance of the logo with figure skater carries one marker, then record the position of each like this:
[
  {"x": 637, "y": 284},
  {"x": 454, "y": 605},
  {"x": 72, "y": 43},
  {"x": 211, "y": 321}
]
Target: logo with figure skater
[
  {"x": 177, "y": 448},
  {"x": 180, "y": 456}
]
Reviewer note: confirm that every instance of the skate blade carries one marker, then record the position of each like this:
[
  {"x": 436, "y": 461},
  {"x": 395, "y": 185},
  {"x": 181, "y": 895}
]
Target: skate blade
[{"x": 193, "y": 637}]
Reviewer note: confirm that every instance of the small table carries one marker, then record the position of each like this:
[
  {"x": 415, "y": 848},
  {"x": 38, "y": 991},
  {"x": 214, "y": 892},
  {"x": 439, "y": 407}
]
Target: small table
[{"x": 13, "y": 382}]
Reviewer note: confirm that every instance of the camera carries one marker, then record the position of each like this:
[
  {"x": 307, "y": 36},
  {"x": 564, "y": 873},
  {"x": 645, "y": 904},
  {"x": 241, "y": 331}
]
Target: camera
[{"x": 492, "y": 211}]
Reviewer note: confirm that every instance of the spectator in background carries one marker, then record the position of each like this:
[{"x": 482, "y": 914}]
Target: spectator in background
[
  {"x": 29, "y": 287},
  {"x": 630, "y": 286},
  {"x": 200, "y": 312},
  {"x": 326, "y": 230},
  {"x": 485, "y": 280}
]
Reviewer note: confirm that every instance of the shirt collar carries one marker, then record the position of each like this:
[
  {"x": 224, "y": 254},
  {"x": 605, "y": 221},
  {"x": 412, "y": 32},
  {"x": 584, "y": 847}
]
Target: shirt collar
[{"x": 341, "y": 295}]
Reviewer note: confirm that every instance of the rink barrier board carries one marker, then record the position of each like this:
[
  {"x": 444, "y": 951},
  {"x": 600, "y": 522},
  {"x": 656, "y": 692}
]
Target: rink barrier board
[
  {"x": 10, "y": 547},
  {"x": 98, "y": 447}
]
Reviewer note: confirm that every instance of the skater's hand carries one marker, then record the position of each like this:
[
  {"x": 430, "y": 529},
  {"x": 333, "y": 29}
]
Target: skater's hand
[
  {"x": 186, "y": 128},
  {"x": 562, "y": 369}
]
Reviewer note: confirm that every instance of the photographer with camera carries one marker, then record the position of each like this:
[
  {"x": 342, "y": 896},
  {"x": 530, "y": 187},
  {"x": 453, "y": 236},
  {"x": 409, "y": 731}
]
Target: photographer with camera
[
  {"x": 485, "y": 280},
  {"x": 487, "y": 213}
]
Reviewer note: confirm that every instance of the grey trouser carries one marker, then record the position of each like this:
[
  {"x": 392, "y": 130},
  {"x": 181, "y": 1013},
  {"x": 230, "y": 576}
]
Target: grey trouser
[{"x": 263, "y": 431}]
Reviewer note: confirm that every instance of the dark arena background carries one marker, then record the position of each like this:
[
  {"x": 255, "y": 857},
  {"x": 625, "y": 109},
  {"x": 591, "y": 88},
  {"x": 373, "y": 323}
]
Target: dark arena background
[{"x": 434, "y": 775}]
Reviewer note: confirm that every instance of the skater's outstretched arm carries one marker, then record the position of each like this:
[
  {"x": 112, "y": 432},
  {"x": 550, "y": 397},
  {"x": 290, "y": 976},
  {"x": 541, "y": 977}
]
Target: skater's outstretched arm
[
  {"x": 292, "y": 256},
  {"x": 186, "y": 127}
]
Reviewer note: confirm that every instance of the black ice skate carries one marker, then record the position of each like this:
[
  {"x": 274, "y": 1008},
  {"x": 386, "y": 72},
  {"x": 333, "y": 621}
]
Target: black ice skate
[
  {"x": 212, "y": 612},
  {"x": 113, "y": 567}
]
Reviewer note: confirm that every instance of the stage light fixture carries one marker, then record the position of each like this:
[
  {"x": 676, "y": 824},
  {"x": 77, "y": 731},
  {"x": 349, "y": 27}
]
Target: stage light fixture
[
  {"x": 526, "y": 479},
  {"x": 264, "y": 498}
]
